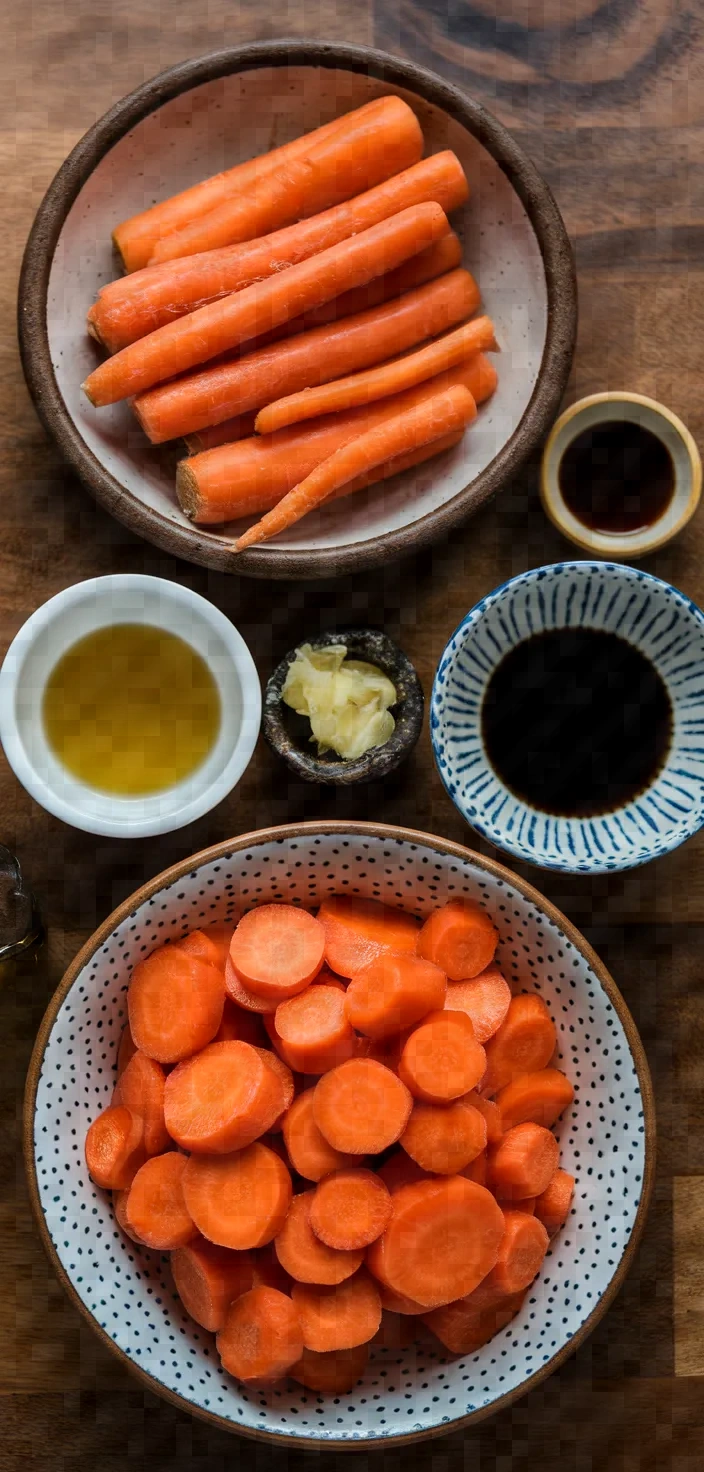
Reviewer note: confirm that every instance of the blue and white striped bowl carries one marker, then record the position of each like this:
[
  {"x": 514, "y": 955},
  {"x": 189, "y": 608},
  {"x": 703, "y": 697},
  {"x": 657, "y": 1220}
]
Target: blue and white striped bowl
[{"x": 660, "y": 621}]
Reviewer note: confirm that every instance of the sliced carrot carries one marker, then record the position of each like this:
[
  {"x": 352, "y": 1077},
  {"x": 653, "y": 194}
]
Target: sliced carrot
[
  {"x": 141, "y": 1089},
  {"x": 134, "y": 305},
  {"x": 366, "y": 149},
  {"x": 115, "y": 1148},
  {"x": 136, "y": 238},
  {"x": 241, "y": 1026},
  {"x": 211, "y": 944},
  {"x": 155, "y": 1208},
  {"x": 459, "y": 937},
  {"x": 521, "y": 1253},
  {"x": 392, "y": 992},
  {"x": 485, "y": 998},
  {"x": 388, "y": 1050},
  {"x": 350, "y": 1209},
  {"x": 491, "y": 1113},
  {"x": 175, "y": 1003},
  {"x": 243, "y": 998},
  {"x": 223, "y": 1099},
  {"x": 442, "y": 1059},
  {"x": 314, "y": 1029},
  {"x": 552, "y": 1206},
  {"x": 126, "y": 1049},
  {"x": 524, "y": 1043},
  {"x": 465, "y": 1326},
  {"x": 286, "y": 1079},
  {"x": 396, "y": 1331},
  {"x": 541, "y": 1097},
  {"x": 335, "y": 1373},
  {"x": 444, "y": 1138},
  {"x": 304, "y": 1256},
  {"x": 399, "y": 1170},
  {"x": 477, "y": 1170},
  {"x": 361, "y": 1107},
  {"x": 267, "y": 1270},
  {"x": 224, "y": 325},
  {"x": 277, "y": 950},
  {"x": 239, "y": 1200},
  {"x": 524, "y": 1162},
  {"x": 219, "y": 391},
  {"x": 359, "y": 930},
  {"x": 526, "y": 1204},
  {"x": 208, "y": 1279},
  {"x": 309, "y": 1152},
  {"x": 447, "y": 412},
  {"x": 379, "y": 383},
  {"x": 261, "y": 1336},
  {"x": 338, "y": 1317},
  {"x": 443, "y": 1238},
  {"x": 119, "y": 1206},
  {"x": 398, "y": 1303}
]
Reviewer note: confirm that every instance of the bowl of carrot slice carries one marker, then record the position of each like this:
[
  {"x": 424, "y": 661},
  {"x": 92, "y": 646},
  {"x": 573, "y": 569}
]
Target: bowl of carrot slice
[
  {"x": 339, "y": 1133},
  {"x": 295, "y": 309}
]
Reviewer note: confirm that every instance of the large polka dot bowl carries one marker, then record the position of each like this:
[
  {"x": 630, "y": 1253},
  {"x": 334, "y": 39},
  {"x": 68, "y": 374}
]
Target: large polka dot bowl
[
  {"x": 606, "y": 1138},
  {"x": 656, "y": 619}
]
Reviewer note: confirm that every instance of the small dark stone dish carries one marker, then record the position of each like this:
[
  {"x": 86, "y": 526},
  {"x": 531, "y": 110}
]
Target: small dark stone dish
[{"x": 289, "y": 734}]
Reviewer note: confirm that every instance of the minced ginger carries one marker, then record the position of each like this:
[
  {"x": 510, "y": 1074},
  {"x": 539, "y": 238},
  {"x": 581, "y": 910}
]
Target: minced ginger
[{"x": 346, "y": 700}]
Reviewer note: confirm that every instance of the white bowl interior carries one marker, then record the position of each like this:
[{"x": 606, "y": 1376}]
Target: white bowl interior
[
  {"x": 219, "y": 124},
  {"x": 130, "y": 599},
  {"x": 129, "y": 1292}
]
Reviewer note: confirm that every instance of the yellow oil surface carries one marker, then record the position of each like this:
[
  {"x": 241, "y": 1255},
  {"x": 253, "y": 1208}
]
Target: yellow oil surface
[{"x": 131, "y": 709}]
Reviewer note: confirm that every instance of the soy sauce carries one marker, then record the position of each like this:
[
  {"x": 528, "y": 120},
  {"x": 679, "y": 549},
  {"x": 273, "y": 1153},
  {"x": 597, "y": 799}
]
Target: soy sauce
[
  {"x": 617, "y": 477},
  {"x": 576, "y": 722}
]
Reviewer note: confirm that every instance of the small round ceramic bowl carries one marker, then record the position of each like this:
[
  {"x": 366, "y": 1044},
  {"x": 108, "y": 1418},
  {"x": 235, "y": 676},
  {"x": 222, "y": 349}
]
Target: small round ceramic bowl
[
  {"x": 59, "y": 623},
  {"x": 664, "y": 625},
  {"x": 289, "y": 734},
  {"x": 213, "y": 112},
  {"x": 126, "y": 1292},
  {"x": 599, "y": 409}
]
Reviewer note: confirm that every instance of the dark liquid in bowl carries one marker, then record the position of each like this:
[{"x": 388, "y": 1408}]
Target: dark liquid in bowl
[
  {"x": 576, "y": 722},
  {"x": 617, "y": 477}
]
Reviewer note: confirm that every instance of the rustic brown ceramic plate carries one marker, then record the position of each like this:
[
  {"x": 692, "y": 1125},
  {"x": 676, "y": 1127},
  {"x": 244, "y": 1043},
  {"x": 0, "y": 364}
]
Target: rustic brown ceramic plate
[{"x": 192, "y": 121}]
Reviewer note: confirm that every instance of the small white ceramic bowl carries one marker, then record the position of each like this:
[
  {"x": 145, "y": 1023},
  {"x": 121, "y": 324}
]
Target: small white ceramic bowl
[
  {"x": 59, "y": 623},
  {"x": 599, "y": 409}
]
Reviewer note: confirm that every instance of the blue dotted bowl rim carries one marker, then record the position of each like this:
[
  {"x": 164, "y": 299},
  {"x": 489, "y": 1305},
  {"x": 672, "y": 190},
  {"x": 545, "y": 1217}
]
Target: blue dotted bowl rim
[
  {"x": 474, "y": 616},
  {"x": 447, "y": 849}
]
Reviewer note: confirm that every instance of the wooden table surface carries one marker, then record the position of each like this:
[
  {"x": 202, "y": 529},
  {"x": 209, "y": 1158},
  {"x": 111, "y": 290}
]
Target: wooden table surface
[{"x": 609, "y": 100}]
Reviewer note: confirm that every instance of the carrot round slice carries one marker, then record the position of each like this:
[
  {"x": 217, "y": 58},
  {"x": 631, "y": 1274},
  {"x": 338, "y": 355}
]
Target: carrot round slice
[
  {"x": 115, "y": 1148},
  {"x": 308, "y": 1150},
  {"x": 350, "y": 1209},
  {"x": 521, "y": 1253},
  {"x": 442, "y": 1059},
  {"x": 460, "y": 938},
  {"x": 396, "y": 1331},
  {"x": 540, "y": 1097},
  {"x": 524, "y": 1043},
  {"x": 314, "y": 1029},
  {"x": 524, "y": 1162},
  {"x": 491, "y": 1113},
  {"x": 552, "y": 1206},
  {"x": 361, "y": 1107},
  {"x": 285, "y": 1076},
  {"x": 444, "y": 1138},
  {"x": 208, "y": 1279},
  {"x": 126, "y": 1050},
  {"x": 358, "y": 930},
  {"x": 304, "y": 1256},
  {"x": 119, "y": 1206},
  {"x": 211, "y": 944},
  {"x": 240, "y": 1026},
  {"x": 339, "y": 1317},
  {"x": 334, "y": 1373},
  {"x": 141, "y": 1089},
  {"x": 477, "y": 1170},
  {"x": 485, "y": 998},
  {"x": 223, "y": 1099},
  {"x": 443, "y": 1238},
  {"x": 397, "y": 1303},
  {"x": 175, "y": 1003},
  {"x": 470, "y": 1322},
  {"x": 393, "y": 992},
  {"x": 277, "y": 950},
  {"x": 156, "y": 1208},
  {"x": 267, "y": 1270},
  {"x": 399, "y": 1170},
  {"x": 243, "y": 998},
  {"x": 261, "y": 1336},
  {"x": 239, "y": 1200}
]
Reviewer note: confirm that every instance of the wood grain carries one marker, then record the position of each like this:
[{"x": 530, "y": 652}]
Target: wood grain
[{"x": 688, "y": 1306}]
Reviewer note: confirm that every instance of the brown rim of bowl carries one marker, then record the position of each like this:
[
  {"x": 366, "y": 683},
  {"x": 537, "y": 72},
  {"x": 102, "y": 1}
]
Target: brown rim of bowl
[
  {"x": 442, "y": 846},
  {"x": 196, "y": 544}
]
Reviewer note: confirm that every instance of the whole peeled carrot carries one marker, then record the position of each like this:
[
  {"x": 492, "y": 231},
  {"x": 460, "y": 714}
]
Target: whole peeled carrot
[
  {"x": 136, "y": 238},
  {"x": 444, "y": 413},
  {"x": 240, "y": 384},
  {"x": 249, "y": 477},
  {"x": 223, "y": 325},
  {"x": 134, "y": 305},
  {"x": 379, "y": 383},
  {"x": 362, "y": 152}
]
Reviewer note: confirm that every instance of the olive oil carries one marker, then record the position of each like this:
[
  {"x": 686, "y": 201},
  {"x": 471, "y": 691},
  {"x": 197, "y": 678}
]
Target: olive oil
[{"x": 131, "y": 709}]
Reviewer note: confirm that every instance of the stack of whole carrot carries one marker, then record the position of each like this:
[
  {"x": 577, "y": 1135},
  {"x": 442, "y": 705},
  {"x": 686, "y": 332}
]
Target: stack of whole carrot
[
  {"x": 265, "y": 311},
  {"x": 340, "y": 1127}
]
